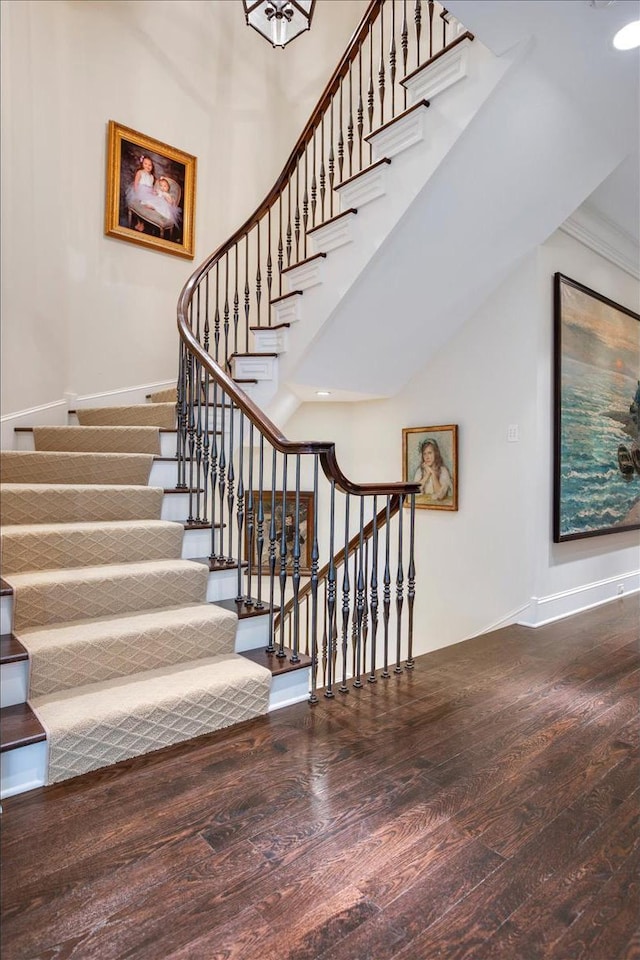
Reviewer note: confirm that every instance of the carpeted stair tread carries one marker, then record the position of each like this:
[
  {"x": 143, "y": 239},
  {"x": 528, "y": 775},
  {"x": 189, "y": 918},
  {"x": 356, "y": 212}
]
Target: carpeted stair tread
[
  {"x": 49, "y": 546},
  {"x": 65, "y": 655},
  {"x": 98, "y": 439},
  {"x": 58, "y": 596},
  {"x": 169, "y": 395},
  {"x": 97, "y": 725},
  {"x": 22, "y": 503},
  {"x": 139, "y": 415},
  {"x": 44, "y": 466}
]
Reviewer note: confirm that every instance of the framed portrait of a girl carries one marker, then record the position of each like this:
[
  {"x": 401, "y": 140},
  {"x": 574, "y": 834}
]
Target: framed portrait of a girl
[
  {"x": 430, "y": 458},
  {"x": 150, "y": 192}
]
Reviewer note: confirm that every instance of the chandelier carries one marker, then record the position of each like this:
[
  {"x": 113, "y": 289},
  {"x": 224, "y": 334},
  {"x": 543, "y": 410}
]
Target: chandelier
[{"x": 279, "y": 21}]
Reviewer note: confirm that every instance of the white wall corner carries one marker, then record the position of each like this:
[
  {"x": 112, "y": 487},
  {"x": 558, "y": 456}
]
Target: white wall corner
[
  {"x": 598, "y": 233},
  {"x": 543, "y": 610}
]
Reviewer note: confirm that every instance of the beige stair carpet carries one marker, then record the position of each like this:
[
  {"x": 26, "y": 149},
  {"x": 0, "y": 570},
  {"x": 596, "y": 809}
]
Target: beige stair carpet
[
  {"x": 92, "y": 727},
  {"x": 66, "y": 655},
  {"x": 139, "y": 415},
  {"x": 98, "y": 439},
  {"x": 35, "y": 466},
  {"x": 22, "y": 503},
  {"x": 42, "y": 546},
  {"x": 170, "y": 395},
  {"x": 58, "y": 596}
]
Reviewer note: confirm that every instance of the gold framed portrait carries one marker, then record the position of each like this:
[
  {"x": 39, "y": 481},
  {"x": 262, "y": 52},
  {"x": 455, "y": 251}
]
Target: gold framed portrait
[
  {"x": 430, "y": 458},
  {"x": 150, "y": 197}
]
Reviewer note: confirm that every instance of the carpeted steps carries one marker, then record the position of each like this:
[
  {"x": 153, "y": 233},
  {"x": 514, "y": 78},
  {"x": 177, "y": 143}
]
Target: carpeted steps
[
  {"x": 145, "y": 414},
  {"x": 125, "y": 654},
  {"x": 73, "y": 503},
  {"x": 50, "y": 546},
  {"x": 98, "y": 439},
  {"x": 38, "y": 466}
]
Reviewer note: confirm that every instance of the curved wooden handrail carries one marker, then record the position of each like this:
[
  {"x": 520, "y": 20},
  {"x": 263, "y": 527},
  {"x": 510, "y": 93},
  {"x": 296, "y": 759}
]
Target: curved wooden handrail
[
  {"x": 303, "y": 140},
  {"x": 352, "y": 546},
  {"x": 325, "y": 449}
]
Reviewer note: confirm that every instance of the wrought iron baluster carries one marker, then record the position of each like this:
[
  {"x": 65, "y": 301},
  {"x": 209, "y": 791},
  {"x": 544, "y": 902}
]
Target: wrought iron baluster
[
  {"x": 386, "y": 595},
  {"x": 181, "y": 410},
  {"x": 370, "y": 90},
  {"x": 340, "y": 142},
  {"x": 226, "y": 306},
  {"x": 350, "y": 123},
  {"x": 430, "y": 11},
  {"x": 222, "y": 472},
  {"x": 240, "y": 504},
  {"x": 331, "y": 594},
  {"x": 381, "y": 69},
  {"x": 250, "y": 539},
  {"x": 272, "y": 555},
  {"x": 258, "y": 278},
  {"x": 289, "y": 234},
  {"x": 296, "y": 219},
  {"x": 411, "y": 581},
  {"x": 198, "y": 426},
  {"x": 269, "y": 263},
  {"x": 247, "y": 295},
  {"x": 305, "y": 200},
  {"x": 417, "y": 16},
  {"x": 236, "y": 304},
  {"x": 331, "y": 159},
  {"x": 214, "y": 470},
  {"x": 315, "y": 555},
  {"x": 216, "y": 319},
  {"x": 404, "y": 43},
  {"x": 392, "y": 59},
  {"x": 314, "y": 184},
  {"x": 346, "y": 596},
  {"x": 399, "y": 590},
  {"x": 260, "y": 519},
  {"x": 373, "y": 603},
  {"x": 360, "y": 112},
  {"x": 360, "y": 601},
  {"x": 322, "y": 171},
  {"x": 280, "y": 246},
  {"x": 295, "y": 658},
  {"x": 283, "y": 556},
  {"x": 231, "y": 477}
]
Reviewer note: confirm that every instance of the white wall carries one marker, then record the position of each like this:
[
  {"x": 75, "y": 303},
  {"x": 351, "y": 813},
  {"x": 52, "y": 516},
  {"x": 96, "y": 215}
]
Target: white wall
[
  {"x": 186, "y": 72},
  {"x": 494, "y": 560}
]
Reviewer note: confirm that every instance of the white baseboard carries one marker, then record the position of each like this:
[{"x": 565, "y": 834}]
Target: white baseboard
[
  {"x": 124, "y": 396},
  {"x": 542, "y": 610},
  {"x": 47, "y": 415}
]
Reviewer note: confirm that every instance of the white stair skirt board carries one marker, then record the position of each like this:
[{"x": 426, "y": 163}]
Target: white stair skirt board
[
  {"x": 305, "y": 275},
  {"x": 270, "y": 340},
  {"x": 288, "y": 310},
  {"x": 362, "y": 189},
  {"x": 542, "y": 610},
  {"x": 254, "y": 368},
  {"x": 403, "y": 133},
  {"x": 22, "y": 769},
  {"x": 332, "y": 235}
]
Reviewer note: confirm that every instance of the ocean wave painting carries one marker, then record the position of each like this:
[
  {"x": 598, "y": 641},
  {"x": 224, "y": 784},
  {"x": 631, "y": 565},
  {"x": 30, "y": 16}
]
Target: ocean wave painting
[{"x": 597, "y": 452}]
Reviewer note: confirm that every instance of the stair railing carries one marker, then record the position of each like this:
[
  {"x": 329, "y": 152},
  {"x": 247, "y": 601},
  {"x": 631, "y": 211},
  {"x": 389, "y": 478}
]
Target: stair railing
[{"x": 245, "y": 479}]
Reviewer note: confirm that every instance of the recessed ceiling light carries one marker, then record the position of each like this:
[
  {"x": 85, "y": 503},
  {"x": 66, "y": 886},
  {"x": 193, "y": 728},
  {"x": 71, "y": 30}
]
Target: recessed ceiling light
[
  {"x": 323, "y": 393},
  {"x": 629, "y": 37}
]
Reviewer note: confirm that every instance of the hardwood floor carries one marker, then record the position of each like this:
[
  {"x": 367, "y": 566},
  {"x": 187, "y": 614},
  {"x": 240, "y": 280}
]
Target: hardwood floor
[{"x": 484, "y": 806}]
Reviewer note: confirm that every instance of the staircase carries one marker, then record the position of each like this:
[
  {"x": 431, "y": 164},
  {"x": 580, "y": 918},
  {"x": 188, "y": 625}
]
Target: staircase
[
  {"x": 176, "y": 566},
  {"x": 115, "y": 628}
]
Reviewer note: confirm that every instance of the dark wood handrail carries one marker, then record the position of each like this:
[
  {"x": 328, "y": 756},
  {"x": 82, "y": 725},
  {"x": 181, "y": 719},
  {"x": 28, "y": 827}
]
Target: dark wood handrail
[
  {"x": 352, "y": 546},
  {"x": 325, "y": 449}
]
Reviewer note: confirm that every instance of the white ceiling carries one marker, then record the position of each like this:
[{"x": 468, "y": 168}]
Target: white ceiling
[{"x": 573, "y": 44}]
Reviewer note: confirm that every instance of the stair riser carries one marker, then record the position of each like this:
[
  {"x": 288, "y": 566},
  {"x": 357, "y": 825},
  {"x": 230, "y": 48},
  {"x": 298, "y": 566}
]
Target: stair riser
[
  {"x": 24, "y": 441},
  {"x": 164, "y": 474}
]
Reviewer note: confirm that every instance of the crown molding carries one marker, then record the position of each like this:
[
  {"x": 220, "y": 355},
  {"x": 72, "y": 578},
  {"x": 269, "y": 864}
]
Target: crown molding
[{"x": 603, "y": 236}]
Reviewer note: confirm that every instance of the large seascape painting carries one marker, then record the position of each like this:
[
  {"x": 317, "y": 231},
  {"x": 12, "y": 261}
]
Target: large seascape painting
[{"x": 597, "y": 412}]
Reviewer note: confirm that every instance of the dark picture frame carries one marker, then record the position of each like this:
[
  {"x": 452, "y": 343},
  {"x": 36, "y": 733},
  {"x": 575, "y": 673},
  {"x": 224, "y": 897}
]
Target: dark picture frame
[
  {"x": 596, "y": 461},
  {"x": 306, "y": 529},
  {"x": 150, "y": 195},
  {"x": 428, "y": 449}
]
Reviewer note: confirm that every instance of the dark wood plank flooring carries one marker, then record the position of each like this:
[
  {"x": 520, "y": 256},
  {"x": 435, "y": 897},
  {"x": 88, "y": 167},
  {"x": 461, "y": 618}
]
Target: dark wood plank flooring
[{"x": 482, "y": 807}]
